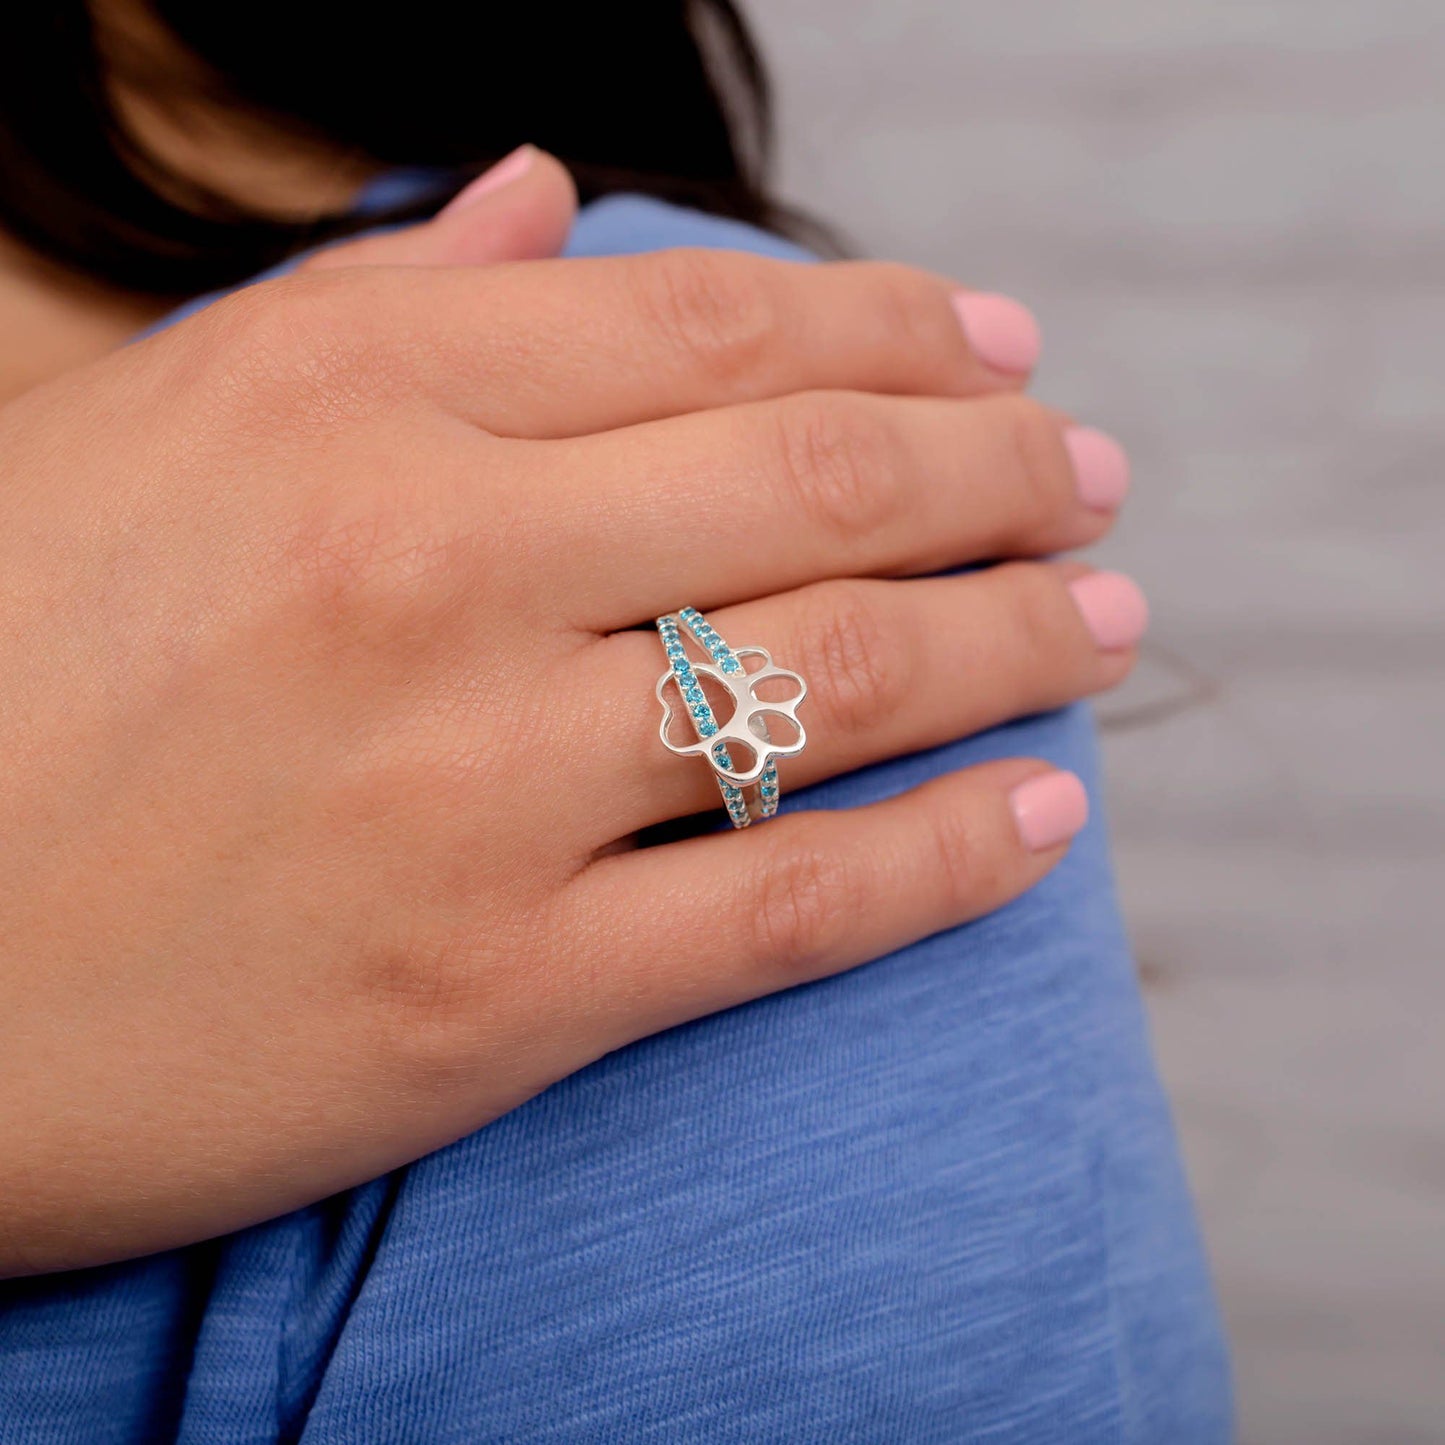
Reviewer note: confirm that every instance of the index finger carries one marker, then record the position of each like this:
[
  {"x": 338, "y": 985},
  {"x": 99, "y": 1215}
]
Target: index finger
[{"x": 569, "y": 347}]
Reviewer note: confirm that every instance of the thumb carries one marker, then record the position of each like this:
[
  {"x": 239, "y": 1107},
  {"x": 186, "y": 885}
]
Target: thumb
[{"x": 520, "y": 210}]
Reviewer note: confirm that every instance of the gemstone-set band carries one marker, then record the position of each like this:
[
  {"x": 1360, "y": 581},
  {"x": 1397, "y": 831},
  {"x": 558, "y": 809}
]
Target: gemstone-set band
[{"x": 749, "y": 793}]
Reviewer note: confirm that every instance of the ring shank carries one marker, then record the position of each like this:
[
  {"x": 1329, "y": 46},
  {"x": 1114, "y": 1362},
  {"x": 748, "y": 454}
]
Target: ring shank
[{"x": 745, "y": 804}]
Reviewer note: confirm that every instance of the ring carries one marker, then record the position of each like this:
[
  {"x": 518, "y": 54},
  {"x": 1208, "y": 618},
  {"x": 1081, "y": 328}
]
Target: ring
[{"x": 749, "y": 793}]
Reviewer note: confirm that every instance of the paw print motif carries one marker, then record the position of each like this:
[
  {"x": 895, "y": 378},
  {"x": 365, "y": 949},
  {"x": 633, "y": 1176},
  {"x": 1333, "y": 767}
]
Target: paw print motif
[{"x": 747, "y": 728}]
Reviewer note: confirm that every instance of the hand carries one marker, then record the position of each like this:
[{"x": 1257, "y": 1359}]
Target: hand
[{"x": 325, "y": 741}]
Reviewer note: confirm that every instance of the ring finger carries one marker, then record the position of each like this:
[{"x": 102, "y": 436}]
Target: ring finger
[{"x": 891, "y": 667}]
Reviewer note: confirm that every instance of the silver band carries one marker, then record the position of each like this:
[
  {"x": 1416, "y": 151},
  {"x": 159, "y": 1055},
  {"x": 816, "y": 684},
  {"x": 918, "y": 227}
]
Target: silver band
[{"x": 749, "y": 793}]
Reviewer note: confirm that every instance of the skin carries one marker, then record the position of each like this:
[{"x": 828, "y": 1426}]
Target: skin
[{"x": 327, "y": 741}]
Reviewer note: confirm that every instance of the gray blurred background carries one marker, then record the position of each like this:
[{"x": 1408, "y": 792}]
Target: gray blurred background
[{"x": 1230, "y": 217}]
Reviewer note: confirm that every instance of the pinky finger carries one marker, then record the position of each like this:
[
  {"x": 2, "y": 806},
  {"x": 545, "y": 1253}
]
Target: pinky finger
[{"x": 702, "y": 925}]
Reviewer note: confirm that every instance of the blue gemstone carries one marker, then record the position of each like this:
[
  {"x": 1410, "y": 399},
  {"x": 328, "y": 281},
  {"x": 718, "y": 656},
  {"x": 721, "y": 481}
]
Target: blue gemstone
[
  {"x": 731, "y": 664},
  {"x": 694, "y": 694},
  {"x": 707, "y": 729},
  {"x": 700, "y": 709}
]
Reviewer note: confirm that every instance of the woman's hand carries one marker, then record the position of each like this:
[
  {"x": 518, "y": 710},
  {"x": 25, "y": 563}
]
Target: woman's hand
[{"x": 325, "y": 736}]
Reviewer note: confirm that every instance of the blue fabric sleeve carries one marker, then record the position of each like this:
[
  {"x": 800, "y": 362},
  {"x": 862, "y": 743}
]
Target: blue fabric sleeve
[{"x": 936, "y": 1199}]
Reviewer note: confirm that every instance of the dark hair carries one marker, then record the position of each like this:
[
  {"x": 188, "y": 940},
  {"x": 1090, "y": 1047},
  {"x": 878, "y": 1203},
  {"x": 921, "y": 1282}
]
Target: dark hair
[{"x": 667, "y": 97}]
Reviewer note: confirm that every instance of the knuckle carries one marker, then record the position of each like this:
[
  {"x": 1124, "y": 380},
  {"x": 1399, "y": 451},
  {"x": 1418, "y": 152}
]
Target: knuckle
[
  {"x": 294, "y": 353},
  {"x": 1030, "y": 436},
  {"x": 1034, "y": 600},
  {"x": 420, "y": 976},
  {"x": 805, "y": 898},
  {"x": 407, "y": 982},
  {"x": 376, "y": 564},
  {"x": 712, "y": 307},
  {"x": 864, "y": 669},
  {"x": 916, "y": 310},
  {"x": 276, "y": 323},
  {"x": 420, "y": 997},
  {"x": 968, "y": 869},
  {"x": 838, "y": 459}
]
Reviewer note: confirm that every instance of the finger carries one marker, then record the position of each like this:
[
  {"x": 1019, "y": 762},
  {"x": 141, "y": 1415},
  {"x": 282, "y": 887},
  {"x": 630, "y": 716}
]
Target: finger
[
  {"x": 519, "y": 210},
  {"x": 811, "y": 893},
  {"x": 569, "y": 347},
  {"x": 891, "y": 668},
  {"x": 717, "y": 507}
]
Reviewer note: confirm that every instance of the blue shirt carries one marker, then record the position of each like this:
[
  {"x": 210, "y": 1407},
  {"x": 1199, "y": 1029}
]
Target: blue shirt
[{"x": 936, "y": 1199}]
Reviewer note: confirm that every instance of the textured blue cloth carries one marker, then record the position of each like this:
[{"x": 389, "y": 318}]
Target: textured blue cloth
[{"x": 933, "y": 1200}]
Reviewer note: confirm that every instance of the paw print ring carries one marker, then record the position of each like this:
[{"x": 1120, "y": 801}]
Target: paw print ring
[{"x": 742, "y": 747}]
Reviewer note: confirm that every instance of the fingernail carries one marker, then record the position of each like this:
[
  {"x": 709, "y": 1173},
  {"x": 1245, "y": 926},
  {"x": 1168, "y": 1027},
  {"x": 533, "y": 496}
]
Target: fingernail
[
  {"x": 1114, "y": 609},
  {"x": 1049, "y": 810},
  {"x": 1101, "y": 468},
  {"x": 510, "y": 168},
  {"x": 1001, "y": 331}
]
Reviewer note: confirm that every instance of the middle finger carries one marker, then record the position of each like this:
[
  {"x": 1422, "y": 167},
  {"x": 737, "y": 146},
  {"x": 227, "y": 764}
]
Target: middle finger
[{"x": 756, "y": 499}]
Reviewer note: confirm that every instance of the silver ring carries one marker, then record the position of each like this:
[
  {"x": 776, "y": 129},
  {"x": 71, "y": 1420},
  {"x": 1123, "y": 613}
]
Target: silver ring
[{"x": 749, "y": 793}]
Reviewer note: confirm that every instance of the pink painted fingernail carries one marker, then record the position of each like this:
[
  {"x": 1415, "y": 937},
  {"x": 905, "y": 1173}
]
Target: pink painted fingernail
[
  {"x": 1049, "y": 810},
  {"x": 1101, "y": 468},
  {"x": 1001, "y": 331},
  {"x": 1114, "y": 609},
  {"x": 510, "y": 168}
]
